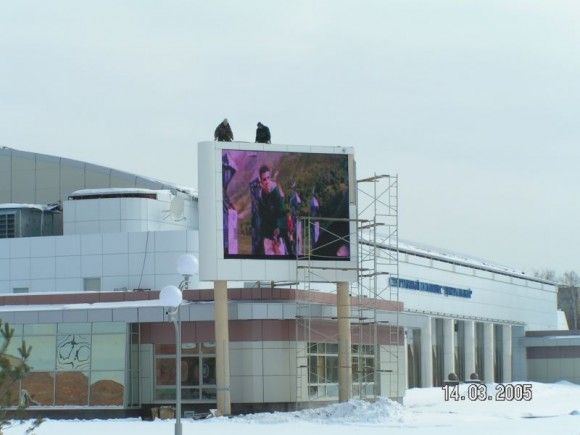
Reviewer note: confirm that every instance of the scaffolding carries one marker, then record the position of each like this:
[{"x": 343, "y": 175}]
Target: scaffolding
[{"x": 377, "y": 273}]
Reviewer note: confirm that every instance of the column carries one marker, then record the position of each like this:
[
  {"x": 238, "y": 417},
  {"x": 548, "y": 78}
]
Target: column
[
  {"x": 448, "y": 347},
  {"x": 344, "y": 342},
  {"x": 222, "y": 351},
  {"x": 427, "y": 354},
  {"x": 519, "y": 360},
  {"x": 469, "y": 348},
  {"x": 506, "y": 353},
  {"x": 488, "y": 353}
]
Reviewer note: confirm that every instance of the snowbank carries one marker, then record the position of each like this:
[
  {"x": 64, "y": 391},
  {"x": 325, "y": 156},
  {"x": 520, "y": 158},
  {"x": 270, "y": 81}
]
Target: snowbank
[
  {"x": 353, "y": 412},
  {"x": 424, "y": 412}
]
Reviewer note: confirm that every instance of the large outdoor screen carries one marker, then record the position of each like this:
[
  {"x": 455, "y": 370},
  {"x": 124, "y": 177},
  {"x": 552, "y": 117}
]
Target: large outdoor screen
[{"x": 285, "y": 205}]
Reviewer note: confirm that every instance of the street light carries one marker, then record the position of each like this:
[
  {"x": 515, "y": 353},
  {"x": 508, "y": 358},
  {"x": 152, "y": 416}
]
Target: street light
[
  {"x": 187, "y": 266},
  {"x": 171, "y": 297}
]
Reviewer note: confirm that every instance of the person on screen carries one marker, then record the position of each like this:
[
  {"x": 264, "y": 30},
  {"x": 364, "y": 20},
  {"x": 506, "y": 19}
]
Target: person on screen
[
  {"x": 272, "y": 213},
  {"x": 262, "y": 134},
  {"x": 229, "y": 212},
  {"x": 314, "y": 223},
  {"x": 223, "y": 132},
  {"x": 295, "y": 229},
  {"x": 333, "y": 238}
]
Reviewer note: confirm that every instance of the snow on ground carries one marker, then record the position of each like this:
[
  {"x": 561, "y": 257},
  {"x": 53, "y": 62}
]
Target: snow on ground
[{"x": 554, "y": 409}]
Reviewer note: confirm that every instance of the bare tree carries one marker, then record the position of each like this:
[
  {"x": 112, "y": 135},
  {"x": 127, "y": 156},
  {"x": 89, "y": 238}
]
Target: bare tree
[
  {"x": 570, "y": 279},
  {"x": 547, "y": 274}
]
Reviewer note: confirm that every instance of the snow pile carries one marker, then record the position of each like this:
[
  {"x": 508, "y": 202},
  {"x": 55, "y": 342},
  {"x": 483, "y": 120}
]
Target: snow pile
[
  {"x": 548, "y": 400},
  {"x": 382, "y": 410}
]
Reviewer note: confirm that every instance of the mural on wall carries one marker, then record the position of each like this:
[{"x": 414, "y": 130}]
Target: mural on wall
[{"x": 73, "y": 352}]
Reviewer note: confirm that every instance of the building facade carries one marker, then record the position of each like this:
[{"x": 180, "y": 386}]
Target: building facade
[{"x": 87, "y": 301}]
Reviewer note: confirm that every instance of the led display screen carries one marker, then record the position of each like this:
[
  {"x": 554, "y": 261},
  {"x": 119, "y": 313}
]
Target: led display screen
[{"x": 285, "y": 205}]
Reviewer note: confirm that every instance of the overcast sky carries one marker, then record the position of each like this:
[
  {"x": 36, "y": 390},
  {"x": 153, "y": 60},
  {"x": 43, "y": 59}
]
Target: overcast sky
[{"x": 475, "y": 104}]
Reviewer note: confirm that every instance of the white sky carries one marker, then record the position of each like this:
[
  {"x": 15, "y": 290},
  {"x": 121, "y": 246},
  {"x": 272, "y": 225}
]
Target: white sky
[{"x": 474, "y": 104}]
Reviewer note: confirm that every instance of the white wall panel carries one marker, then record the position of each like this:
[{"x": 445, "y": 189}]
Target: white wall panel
[
  {"x": 91, "y": 244},
  {"x": 5, "y": 248},
  {"x": 115, "y": 243},
  {"x": 116, "y": 265},
  {"x": 4, "y": 269},
  {"x": 42, "y": 246},
  {"x": 68, "y": 267},
  {"x": 20, "y": 268},
  {"x": 68, "y": 245},
  {"x": 168, "y": 241},
  {"x": 69, "y": 285},
  {"x": 20, "y": 248},
  {"x": 91, "y": 266},
  {"x": 109, "y": 226},
  {"x": 42, "y": 285},
  {"x": 41, "y": 267}
]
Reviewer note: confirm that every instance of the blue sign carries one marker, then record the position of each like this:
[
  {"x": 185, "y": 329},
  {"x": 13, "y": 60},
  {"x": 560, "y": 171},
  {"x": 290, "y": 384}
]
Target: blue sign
[{"x": 430, "y": 288}]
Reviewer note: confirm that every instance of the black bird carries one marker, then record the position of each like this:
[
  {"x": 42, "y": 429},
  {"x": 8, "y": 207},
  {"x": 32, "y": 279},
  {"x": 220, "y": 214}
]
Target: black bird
[
  {"x": 262, "y": 134},
  {"x": 223, "y": 132}
]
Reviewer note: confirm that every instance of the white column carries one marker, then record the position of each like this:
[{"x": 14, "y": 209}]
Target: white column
[
  {"x": 488, "y": 353},
  {"x": 448, "y": 347},
  {"x": 222, "y": 347},
  {"x": 506, "y": 367},
  {"x": 404, "y": 368},
  {"x": 469, "y": 348},
  {"x": 344, "y": 342},
  {"x": 427, "y": 354},
  {"x": 519, "y": 360}
]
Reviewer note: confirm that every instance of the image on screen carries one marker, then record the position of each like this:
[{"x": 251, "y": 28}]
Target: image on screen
[{"x": 285, "y": 205}]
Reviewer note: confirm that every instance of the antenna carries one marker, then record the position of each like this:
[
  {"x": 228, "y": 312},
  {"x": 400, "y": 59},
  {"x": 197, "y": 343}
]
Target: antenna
[{"x": 176, "y": 209}]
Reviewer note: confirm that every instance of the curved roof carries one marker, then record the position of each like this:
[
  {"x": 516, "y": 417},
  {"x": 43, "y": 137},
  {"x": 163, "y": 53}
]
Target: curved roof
[{"x": 34, "y": 178}]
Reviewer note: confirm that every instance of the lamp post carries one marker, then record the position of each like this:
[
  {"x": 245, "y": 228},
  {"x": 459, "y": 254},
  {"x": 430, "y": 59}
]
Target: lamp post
[{"x": 172, "y": 297}]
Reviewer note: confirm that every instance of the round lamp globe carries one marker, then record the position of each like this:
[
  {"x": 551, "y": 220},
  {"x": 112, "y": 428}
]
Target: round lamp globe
[
  {"x": 171, "y": 296},
  {"x": 187, "y": 264}
]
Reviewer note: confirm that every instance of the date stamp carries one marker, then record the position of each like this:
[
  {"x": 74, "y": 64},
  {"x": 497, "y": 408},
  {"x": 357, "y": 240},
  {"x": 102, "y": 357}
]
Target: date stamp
[{"x": 479, "y": 393}]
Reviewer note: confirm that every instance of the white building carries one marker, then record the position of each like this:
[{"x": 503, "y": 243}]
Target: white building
[{"x": 82, "y": 299}]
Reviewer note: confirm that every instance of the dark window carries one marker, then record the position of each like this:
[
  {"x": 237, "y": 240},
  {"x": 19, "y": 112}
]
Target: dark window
[{"x": 7, "y": 226}]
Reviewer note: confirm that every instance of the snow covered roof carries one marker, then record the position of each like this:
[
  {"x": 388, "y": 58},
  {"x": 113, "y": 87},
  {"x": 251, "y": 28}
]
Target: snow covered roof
[
  {"x": 419, "y": 250},
  {"x": 115, "y": 191},
  {"x": 142, "y": 179},
  {"x": 14, "y": 205},
  {"x": 83, "y": 306}
]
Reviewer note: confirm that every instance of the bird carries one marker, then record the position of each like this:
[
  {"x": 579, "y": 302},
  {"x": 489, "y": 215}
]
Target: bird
[
  {"x": 223, "y": 132},
  {"x": 262, "y": 134}
]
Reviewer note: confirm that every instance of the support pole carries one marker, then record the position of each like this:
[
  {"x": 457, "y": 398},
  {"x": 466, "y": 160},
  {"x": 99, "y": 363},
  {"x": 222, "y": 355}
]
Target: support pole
[
  {"x": 488, "y": 353},
  {"x": 469, "y": 348},
  {"x": 448, "y": 347},
  {"x": 506, "y": 353},
  {"x": 427, "y": 354},
  {"x": 344, "y": 342},
  {"x": 177, "y": 326},
  {"x": 222, "y": 341}
]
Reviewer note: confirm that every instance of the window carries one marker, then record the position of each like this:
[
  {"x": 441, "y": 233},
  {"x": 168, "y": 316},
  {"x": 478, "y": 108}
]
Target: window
[
  {"x": 20, "y": 290},
  {"x": 7, "y": 226},
  {"x": 70, "y": 366},
  {"x": 323, "y": 370},
  {"x": 92, "y": 284},
  {"x": 198, "y": 372}
]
